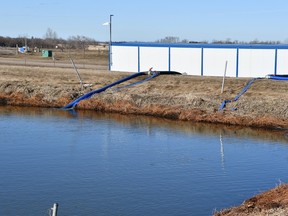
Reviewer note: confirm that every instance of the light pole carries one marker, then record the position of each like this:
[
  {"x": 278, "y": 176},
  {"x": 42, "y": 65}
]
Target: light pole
[{"x": 110, "y": 43}]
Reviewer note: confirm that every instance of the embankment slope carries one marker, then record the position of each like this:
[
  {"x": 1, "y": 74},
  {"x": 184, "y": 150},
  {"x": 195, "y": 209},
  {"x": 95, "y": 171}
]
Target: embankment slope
[{"x": 190, "y": 98}]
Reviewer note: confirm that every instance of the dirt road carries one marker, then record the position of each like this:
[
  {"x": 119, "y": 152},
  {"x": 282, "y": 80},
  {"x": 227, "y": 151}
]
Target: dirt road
[{"x": 49, "y": 63}]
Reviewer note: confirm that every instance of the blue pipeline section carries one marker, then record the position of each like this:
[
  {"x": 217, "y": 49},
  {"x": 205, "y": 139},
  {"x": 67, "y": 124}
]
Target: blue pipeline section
[
  {"x": 223, "y": 104},
  {"x": 89, "y": 94},
  {"x": 277, "y": 77},
  {"x": 270, "y": 76},
  {"x": 136, "y": 83},
  {"x": 154, "y": 74}
]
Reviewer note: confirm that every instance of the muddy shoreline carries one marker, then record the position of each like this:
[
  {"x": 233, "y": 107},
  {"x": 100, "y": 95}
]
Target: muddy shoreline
[{"x": 188, "y": 98}]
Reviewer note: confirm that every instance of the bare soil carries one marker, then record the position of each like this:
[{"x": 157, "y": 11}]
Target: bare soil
[{"x": 179, "y": 97}]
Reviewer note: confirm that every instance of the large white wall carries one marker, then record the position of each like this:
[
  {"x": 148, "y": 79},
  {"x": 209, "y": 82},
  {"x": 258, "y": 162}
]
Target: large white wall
[{"x": 206, "y": 60}]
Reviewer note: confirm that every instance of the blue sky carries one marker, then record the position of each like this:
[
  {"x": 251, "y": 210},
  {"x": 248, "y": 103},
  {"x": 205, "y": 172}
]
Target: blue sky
[{"x": 149, "y": 20}]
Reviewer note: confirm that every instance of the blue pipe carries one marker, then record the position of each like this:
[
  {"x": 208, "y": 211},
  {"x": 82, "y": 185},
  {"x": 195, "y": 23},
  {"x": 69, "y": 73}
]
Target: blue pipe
[
  {"x": 223, "y": 104},
  {"x": 277, "y": 77},
  {"x": 270, "y": 76},
  {"x": 72, "y": 104},
  {"x": 154, "y": 74},
  {"x": 138, "y": 82}
]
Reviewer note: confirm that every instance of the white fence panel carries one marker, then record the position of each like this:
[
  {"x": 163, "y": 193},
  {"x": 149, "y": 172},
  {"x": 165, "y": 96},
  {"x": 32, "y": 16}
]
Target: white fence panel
[
  {"x": 282, "y": 62},
  {"x": 214, "y": 60},
  {"x": 156, "y": 57},
  {"x": 256, "y": 62},
  {"x": 186, "y": 60},
  {"x": 124, "y": 59}
]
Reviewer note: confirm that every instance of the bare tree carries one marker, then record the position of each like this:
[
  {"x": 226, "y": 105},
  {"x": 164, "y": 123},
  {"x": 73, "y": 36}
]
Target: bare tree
[
  {"x": 185, "y": 41},
  {"x": 169, "y": 39},
  {"x": 50, "y": 34},
  {"x": 80, "y": 42}
]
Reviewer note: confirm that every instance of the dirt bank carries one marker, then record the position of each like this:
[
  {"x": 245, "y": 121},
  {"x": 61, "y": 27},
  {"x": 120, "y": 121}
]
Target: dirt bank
[{"x": 190, "y": 98}]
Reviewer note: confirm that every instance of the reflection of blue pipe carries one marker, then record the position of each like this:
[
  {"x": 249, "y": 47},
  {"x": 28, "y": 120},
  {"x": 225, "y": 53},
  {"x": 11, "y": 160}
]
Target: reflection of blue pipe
[
  {"x": 277, "y": 77},
  {"x": 89, "y": 94}
]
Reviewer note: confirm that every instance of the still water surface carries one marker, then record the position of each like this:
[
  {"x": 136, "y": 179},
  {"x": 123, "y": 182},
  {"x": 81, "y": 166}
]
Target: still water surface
[{"x": 103, "y": 164}]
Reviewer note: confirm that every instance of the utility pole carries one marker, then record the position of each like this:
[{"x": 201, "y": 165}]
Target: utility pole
[{"x": 110, "y": 43}]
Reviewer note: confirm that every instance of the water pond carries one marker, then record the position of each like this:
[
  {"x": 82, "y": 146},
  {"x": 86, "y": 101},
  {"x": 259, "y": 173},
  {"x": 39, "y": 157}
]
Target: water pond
[{"x": 106, "y": 164}]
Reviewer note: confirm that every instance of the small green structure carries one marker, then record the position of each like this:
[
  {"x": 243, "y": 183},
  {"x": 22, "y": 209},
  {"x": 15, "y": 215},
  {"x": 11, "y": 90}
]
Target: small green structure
[{"x": 46, "y": 53}]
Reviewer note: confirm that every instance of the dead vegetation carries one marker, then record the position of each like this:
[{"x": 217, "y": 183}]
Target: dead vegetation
[
  {"x": 273, "y": 203},
  {"x": 60, "y": 58},
  {"x": 177, "y": 97}
]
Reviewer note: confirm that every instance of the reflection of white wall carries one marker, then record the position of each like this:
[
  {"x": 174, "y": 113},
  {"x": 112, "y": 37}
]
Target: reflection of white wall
[
  {"x": 124, "y": 59},
  {"x": 256, "y": 62},
  {"x": 156, "y": 57},
  {"x": 186, "y": 60},
  {"x": 214, "y": 60},
  {"x": 282, "y": 61}
]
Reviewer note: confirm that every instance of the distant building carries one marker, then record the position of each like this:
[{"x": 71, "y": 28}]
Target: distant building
[
  {"x": 101, "y": 47},
  {"x": 47, "y": 53}
]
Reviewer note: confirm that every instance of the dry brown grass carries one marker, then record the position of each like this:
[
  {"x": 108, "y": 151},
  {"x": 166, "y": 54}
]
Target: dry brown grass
[
  {"x": 80, "y": 56},
  {"x": 190, "y": 98},
  {"x": 273, "y": 202}
]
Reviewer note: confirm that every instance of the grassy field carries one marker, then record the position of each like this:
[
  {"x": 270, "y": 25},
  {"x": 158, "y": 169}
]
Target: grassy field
[{"x": 79, "y": 56}]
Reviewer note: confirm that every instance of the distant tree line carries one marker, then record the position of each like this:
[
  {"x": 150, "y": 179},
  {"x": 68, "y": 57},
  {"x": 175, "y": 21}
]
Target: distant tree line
[
  {"x": 255, "y": 41},
  {"x": 74, "y": 42},
  {"x": 49, "y": 41},
  {"x": 172, "y": 39}
]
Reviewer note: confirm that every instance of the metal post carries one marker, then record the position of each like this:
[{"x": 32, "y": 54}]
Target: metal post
[
  {"x": 110, "y": 42},
  {"x": 222, "y": 89},
  {"x": 78, "y": 75},
  {"x": 53, "y": 57},
  {"x": 26, "y": 50}
]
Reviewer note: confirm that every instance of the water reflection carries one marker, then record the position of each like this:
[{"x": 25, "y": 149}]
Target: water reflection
[
  {"x": 222, "y": 152},
  {"x": 152, "y": 123}
]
